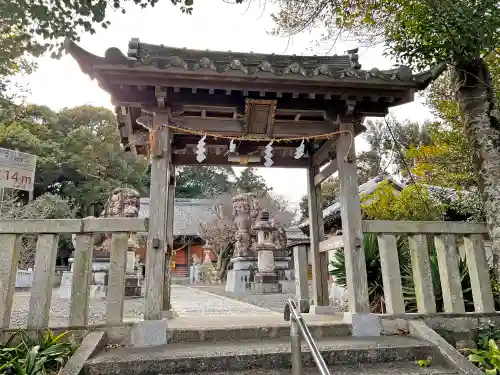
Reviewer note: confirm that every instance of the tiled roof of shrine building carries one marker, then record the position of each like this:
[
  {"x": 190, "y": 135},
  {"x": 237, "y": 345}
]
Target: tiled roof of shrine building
[
  {"x": 149, "y": 57},
  {"x": 189, "y": 213}
]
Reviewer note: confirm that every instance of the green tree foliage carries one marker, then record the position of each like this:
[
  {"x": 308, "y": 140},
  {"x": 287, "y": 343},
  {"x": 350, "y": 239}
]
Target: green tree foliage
[
  {"x": 420, "y": 33},
  {"x": 449, "y": 160},
  {"x": 386, "y": 154},
  {"x": 414, "y": 202},
  {"x": 250, "y": 182},
  {"x": 462, "y": 34},
  {"x": 203, "y": 181},
  {"x": 46, "y": 206},
  {"x": 79, "y": 152},
  {"x": 33, "y": 27},
  {"x": 211, "y": 182},
  {"x": 29, "y": 28}
]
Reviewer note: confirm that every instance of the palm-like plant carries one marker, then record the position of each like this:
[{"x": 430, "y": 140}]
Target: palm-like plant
[{"x": 374, "y": 273}]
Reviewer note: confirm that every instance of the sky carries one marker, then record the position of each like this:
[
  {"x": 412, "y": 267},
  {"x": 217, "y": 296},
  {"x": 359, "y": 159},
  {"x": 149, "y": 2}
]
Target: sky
[{"x": 214, "y": 25}]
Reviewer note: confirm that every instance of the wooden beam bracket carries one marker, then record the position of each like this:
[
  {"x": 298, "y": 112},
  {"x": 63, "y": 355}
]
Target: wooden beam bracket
[{"x": 329, "y": 170}]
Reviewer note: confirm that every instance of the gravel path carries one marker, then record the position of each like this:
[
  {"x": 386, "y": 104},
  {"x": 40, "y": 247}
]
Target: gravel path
[
  {"x": 59, "y": 310},
  {"x": 186, "y": 302},
  {"x": 274, "y": 302}
]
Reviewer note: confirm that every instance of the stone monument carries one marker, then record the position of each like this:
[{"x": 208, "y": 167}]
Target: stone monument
[{"x": 268, "y": 240}]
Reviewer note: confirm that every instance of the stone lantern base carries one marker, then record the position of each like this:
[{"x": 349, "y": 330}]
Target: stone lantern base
[
  {"x": 265, "y": 283},
  {"x": 266, "y": 280}
]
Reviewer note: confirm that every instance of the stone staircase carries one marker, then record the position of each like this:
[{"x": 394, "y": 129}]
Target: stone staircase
[{"x": 266, "y": 350}]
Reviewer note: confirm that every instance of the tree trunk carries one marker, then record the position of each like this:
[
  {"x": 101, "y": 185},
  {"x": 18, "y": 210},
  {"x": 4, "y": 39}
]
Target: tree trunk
[
  {"x": 482, "y": 126},
  {"x": 223, "y": 261}
]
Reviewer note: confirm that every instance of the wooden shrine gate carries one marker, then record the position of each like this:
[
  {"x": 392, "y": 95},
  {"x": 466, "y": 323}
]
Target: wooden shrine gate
[{"x": 190, "y": 107}]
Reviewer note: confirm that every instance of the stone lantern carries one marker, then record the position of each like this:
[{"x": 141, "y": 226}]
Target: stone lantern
[
  {"x": 207, "y": 269},
  {"x": 207, "y": 250},
  {"x": 266, "y": 279}
]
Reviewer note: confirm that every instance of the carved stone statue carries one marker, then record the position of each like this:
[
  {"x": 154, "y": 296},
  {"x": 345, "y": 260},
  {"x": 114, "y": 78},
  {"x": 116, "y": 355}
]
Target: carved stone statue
[
  {"x": 278, "y": 235},
  {"x": 197, "y": 268},
  {"x": 196, "y": 259},
  {"x": 243, "y": 223},
  {"x": 123, "y": 202},
  {"x": 246, "y": 210}
]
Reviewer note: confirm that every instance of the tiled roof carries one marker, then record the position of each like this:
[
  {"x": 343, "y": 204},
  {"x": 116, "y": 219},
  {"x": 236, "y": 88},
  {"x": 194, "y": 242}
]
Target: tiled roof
[
  {"x": 189, "y": 213},
  {"x": 149, "y": 57}
]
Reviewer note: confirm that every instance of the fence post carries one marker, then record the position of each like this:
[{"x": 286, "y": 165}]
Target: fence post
[
  {"x": 449, "y": 273},
  {"x": 479, "y": 274},
  {"x": 422, "y": 276},
  {"x": 296, "y": 348},
  {"x": 10, "y": 246},
  {"x": 301, "y": 282},
  {"x": 82, "y": 277},
  {"x": 43, "y": 281},
  {"x": 116, "y": 278},
  {"x": 391, "y": 275}
]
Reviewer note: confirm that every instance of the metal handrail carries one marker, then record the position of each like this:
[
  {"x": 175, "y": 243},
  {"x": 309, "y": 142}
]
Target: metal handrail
[{"x": 299, "y": 328}]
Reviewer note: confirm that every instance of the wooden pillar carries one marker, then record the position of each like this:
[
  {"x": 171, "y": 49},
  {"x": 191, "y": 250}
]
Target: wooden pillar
[
  {"x": 170, "y": 239},
  {"x": 157, "y": 235},
  {"x": 350, "y": 208},
  {"x": 319, "y": 260}
]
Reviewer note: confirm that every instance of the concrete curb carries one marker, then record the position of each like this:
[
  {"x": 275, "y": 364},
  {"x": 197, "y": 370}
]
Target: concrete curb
[
  {"x": 455, "y": 359},
  {"x": 90, "y": 345}
]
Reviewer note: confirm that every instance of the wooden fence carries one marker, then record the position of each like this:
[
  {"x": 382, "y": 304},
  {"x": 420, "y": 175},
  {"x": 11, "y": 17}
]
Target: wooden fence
[
  {"x": 446, "y": 236},
  {"x": 48, "y": 231}
]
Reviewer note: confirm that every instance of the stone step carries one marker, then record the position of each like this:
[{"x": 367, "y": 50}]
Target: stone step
[
  {"x": 262, "y": 332},
  {"x": 255, "y": 354},
  {"x": 394, "y": 368}
]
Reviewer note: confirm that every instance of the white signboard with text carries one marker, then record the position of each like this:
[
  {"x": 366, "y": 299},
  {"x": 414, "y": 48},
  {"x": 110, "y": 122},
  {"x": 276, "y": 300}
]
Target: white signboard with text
[{"x": 17, "y": 170}]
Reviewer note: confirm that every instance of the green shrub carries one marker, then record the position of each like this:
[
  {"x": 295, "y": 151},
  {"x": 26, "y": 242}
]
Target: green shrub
[
  {"x": 487, "y": 359},
  {"x": 486, "y": 333},
  {"x": 374, "y": 273},
  {"x": 24, "y": 354}
]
